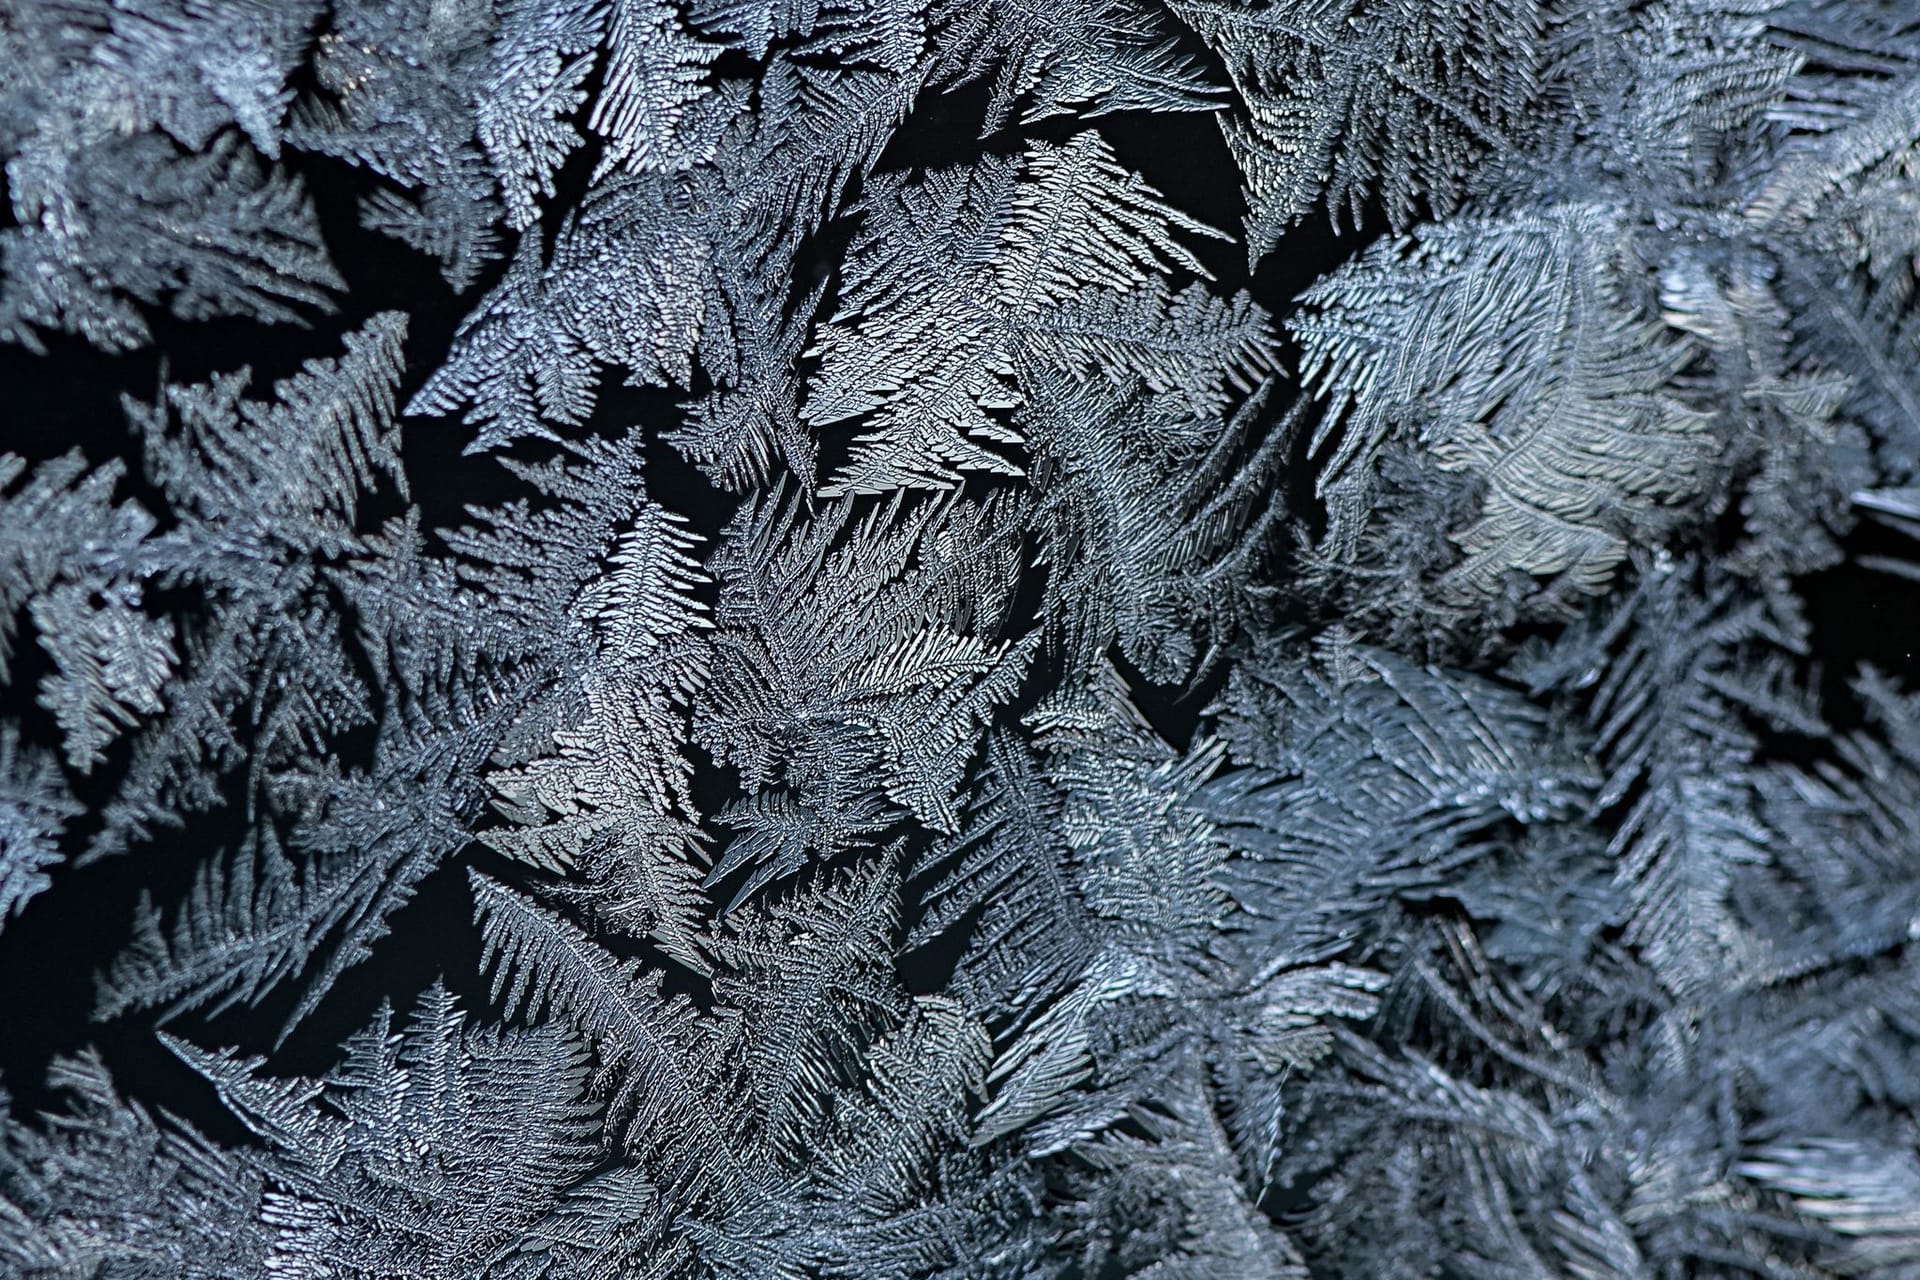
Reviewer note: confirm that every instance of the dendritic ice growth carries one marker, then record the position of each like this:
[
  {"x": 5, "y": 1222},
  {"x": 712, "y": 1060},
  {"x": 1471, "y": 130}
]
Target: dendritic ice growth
[{"x": 960, "y": 638}]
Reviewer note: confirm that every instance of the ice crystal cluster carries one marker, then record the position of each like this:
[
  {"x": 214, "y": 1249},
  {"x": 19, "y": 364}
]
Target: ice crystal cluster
[{"x": 971, "y": 733}]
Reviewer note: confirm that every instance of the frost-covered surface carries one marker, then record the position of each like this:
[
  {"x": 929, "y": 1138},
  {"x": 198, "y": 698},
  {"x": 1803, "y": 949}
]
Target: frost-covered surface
[{"x": 1079, "y": 769}]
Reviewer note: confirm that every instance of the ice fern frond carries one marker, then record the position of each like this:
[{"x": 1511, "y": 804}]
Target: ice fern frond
[
  {"x": 1197, "y": 350},
  {"x": 540, "y": 61},
  {"x": 260, "y": 918},
  {"x": 785, "y": 170},
  {"x": 613, "y": 796},
  {"x": 1347, "y": 101},
  {"x": 1507, "y": 348},
  {"x": 1005, "y": 877},
  {"x": 1112, "y": 946},
  {"x": 1847, "y": 833},
  {"x": 1675, "y": 672},
  {"x": 963, "y": 277},
  {"x": 35, "y": 807},
  {"x": 890, "y": 1190},
  {"x": 1147, "y": 860},
  {"x": 112, "y": 661},
  {"x": 623, "y": 286},
  {"x": 657, "y": 1053},
  {"x": 534, "y": 561},
  {"x": 299, "y": 464},
  {"x": 1836, "y": 208},
  {"x": 105, "y": 1186},
  {"x": 397, "y": 93},
  {"x": 856, "y": 660},
  {"x": 1202, "y": 1211},
  {"x": 137, "y": 147},
  {"x": 1489, "y": 1150},
  {"x": 278, "y": 1110},
  {"x": 1791, "y": 449},
  {"x": 817, "y": 25},
  {"x": 265, "y": 495},
  {"x": 1078, "y": 218},
  {"x": 1861, "y": 1192},
  {"x": 467, "y": 109},
  {"x": 1150, "y": 517},
  {"x": 1363, "y": 770},
  {"x": 807, "y": 980},
  {"x": 424, "y": 1152},
  {"x": 239, "y": 932},
  {"x": 654, "y": 77},
  {"x": 1086, "y": 57},
  {"x": 77, "y": 561},
  {"x": 1854, "y": 134},
  {"x": 927, "y": 378}
]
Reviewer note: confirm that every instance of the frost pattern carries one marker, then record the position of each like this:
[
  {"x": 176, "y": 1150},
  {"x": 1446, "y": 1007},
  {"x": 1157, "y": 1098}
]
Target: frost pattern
[{"x": 969, "y": 736}]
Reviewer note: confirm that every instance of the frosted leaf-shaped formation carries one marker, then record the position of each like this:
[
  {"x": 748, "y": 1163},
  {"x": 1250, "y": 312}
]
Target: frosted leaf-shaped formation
[
  {"x": 1350, "y": 104},
  {"x": 970, "y": 278},
  {"x": 1560, "y": 398},
  {"x": 141, "y": 147}
]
